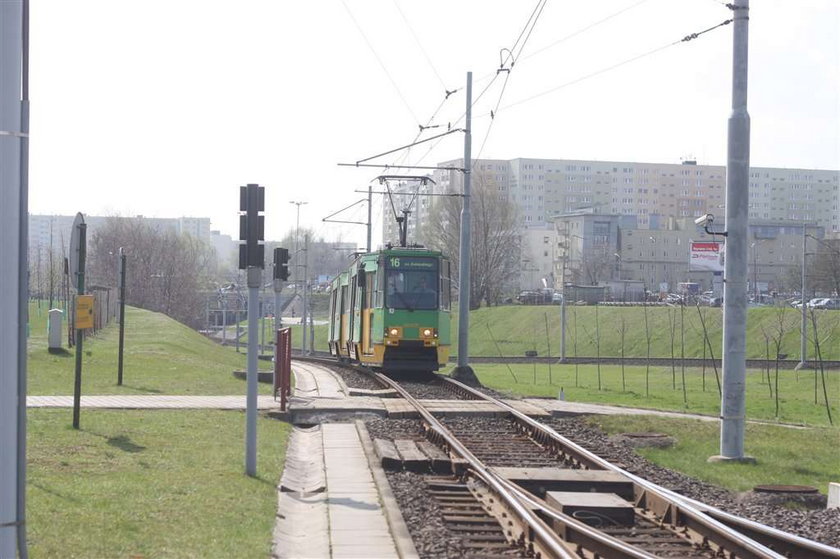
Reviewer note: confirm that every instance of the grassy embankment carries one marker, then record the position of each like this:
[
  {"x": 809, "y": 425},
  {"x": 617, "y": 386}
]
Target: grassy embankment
[
  {"x": 784, "y": 456},
  {"x": 161, "y": 357},
  {"x": 148, "y": 483},
  {"x": 512, "y": 330}
]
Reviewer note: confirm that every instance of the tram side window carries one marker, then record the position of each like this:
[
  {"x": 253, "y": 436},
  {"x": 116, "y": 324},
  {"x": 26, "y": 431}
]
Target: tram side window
[{"x": 445, "y": 286}]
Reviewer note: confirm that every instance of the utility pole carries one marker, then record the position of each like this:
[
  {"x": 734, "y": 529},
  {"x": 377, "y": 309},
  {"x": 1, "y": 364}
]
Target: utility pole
[
  {"x": 14, "y": 134},
  {"x": 803, "y": 339},
  {"x": 370, "y": 214},
  {"x": 122, "y": 317},
  {"x": 733, "y": 397},
  {"x": 463, "y": 371},
  {"x": 297, "y": 236},
  {"x": 304, "y": 315}
]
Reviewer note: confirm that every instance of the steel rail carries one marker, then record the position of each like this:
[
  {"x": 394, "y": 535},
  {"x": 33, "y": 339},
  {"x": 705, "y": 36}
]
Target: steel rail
[
  {"x": 552, "y": 542},
  {"x": 709, "y": 522}
]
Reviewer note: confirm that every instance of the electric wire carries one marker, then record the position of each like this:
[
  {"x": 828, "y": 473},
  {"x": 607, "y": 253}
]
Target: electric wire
[
  {"x": 507, "y": 77},
  {"x": 379, "y": 60},
  {"x": 685, "y": 39},
  {"x": 419, "y": 44},
  {"x": 584, "y": 29}
]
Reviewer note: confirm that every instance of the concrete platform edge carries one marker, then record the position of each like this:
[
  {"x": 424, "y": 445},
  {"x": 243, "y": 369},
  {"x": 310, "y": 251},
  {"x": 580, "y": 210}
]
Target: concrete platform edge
[{"x": 399, "y": 529}]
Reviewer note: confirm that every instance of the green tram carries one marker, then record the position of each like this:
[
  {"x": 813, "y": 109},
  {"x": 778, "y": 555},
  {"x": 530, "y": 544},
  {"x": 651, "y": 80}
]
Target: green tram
[{"x": 391, "y": 310}]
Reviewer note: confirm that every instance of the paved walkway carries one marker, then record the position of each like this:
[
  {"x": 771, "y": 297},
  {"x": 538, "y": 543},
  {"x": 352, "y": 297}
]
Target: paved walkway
[{"x": 143, "y": 401}]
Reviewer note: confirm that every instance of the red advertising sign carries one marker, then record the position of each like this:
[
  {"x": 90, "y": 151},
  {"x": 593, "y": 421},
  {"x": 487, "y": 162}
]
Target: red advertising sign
[{"x": 706, "y": 257}]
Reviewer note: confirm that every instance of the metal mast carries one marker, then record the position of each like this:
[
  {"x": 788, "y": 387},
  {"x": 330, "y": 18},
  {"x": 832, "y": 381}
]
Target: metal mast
[
  {"x": 463, "y": 371},
  {"x": 733, "y": 400}
]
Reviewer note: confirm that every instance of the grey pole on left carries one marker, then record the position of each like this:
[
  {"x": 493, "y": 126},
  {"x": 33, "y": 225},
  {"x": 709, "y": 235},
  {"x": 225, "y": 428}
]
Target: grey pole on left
[
  {"x": 733, "y": 398},
  {"x": 14, "y": 127}
]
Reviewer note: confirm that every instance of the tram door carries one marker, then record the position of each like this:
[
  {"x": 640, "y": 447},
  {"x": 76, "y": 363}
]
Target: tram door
[{"x": 367, "y": 313}]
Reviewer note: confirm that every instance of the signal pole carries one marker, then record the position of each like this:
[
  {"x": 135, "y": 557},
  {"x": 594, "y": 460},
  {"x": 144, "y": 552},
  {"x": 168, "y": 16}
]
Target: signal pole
[
  {"x": 463, "y": 371},
  {"x": 733, "y": 398},
  {"x": 252, "y": 259}
]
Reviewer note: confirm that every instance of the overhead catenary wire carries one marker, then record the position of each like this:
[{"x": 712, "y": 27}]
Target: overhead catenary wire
[
  {"x": 379, "y": 60},
  {"x": 419, "y": 44},
  {"x": 685, "y": 39}
]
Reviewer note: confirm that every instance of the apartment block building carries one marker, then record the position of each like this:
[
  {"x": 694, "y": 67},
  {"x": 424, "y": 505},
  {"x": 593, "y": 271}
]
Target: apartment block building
[
  {"x": 47, "y": 231},
  {"x": 652, "y": 192}
]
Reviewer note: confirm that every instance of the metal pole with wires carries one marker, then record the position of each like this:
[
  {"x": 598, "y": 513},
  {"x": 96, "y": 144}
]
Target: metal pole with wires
[
  {"x": 733, "y": 394},
  {"x": 14, "y": 128},
  {"x": 463, "y": 371}
]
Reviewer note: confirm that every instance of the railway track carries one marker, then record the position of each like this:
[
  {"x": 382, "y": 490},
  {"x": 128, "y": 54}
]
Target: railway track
[{"x": 579, "y": 504}]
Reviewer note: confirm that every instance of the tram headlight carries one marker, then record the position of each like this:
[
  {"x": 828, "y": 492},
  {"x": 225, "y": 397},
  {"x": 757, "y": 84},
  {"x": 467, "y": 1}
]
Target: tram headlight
[{"x": 427, "y": 333}]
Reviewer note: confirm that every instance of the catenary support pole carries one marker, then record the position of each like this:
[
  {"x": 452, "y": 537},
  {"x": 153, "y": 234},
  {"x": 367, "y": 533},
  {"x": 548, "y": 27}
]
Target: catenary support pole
[
  {"x": 370, "y": 218},
  {"x": 122, "y": 318},
  {"x": 80, "y": 332},
  {"x": 463, "y": 371},
  {"x": 303, "y": 314},
  {"x": 254, "y": 282},
  {"x": 13, "y": 253},
  {"x": 803, "y": 338},
  {"x": 733, "y": 397}
]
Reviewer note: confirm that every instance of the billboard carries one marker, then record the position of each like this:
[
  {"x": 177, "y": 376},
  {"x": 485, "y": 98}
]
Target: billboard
[{"x": 706, "y": 257}]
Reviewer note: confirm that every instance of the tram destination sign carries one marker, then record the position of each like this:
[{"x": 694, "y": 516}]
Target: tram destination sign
[{"x": 412, "y": 263}]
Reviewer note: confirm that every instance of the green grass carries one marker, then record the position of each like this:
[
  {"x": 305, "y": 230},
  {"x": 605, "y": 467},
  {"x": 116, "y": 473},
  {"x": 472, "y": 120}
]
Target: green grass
[
  {"x": 796, "y": 390},
  {"x": 515, "y": 329},
  {"x": 162, "y": 356},
  {"x": 512, "y": 330},
  {"x": 783, "y": 455},
  {"x": 157, "y": 483}
]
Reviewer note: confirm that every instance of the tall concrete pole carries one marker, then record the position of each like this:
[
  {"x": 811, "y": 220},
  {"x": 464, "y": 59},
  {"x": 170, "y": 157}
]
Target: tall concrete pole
[
  {"x": 13, "y": 254},
  {"x": 463, "y": 371},
  {"x": 733, "y": 398}
]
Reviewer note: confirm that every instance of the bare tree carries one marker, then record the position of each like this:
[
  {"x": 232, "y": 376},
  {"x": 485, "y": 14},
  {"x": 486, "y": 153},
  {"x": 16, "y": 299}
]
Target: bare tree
[
  {"x": 166, "y": 272},
  {"x": 495, "y": 240}
]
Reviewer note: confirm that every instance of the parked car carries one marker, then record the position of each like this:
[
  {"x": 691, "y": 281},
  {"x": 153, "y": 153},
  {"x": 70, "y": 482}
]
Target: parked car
[
  {"x": 815, "y": 302},
  {"x": 827, "y": 303}
]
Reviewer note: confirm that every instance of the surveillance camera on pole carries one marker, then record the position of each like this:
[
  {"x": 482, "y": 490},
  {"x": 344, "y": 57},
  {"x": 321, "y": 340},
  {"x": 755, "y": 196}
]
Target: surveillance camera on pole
[{"x": 252, "y": 259}]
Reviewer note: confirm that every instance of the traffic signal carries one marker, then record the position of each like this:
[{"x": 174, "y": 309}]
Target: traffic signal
[
  {"x": 251, "y": 226},
  {"x": 281, "y": 264}
]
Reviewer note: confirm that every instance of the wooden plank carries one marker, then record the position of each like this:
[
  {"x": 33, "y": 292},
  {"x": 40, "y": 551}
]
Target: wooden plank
[
  {"x": 388, "y": 454},
  {"x": 413, "y": 459}
]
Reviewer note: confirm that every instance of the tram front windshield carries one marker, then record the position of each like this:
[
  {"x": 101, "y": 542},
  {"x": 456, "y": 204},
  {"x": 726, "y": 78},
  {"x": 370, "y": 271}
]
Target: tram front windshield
[{"x": 411, "y": 288}]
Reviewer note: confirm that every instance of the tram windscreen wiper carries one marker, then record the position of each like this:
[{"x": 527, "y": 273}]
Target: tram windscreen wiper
[{"x": 408, "y": 307}]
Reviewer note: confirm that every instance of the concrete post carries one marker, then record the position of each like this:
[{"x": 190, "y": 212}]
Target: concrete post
[{"x": 733, "y": 399}]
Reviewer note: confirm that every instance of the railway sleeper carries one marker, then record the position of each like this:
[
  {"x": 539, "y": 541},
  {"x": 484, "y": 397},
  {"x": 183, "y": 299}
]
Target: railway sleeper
[{"x": 482, "y": 535}]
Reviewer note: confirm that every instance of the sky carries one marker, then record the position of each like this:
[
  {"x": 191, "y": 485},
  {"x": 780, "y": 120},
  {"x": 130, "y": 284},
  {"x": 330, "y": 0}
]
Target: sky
[{"x": 163, "y": 108}]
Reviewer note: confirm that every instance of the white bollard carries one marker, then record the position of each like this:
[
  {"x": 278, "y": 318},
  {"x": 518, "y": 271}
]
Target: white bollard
[{"x": 54, "y": 328}]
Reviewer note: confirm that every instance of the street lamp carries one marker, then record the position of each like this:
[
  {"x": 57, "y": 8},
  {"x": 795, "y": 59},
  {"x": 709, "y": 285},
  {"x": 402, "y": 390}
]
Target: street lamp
[
  {"x": 297, "y": 233},
  {"x": 755, "y": 269}
]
